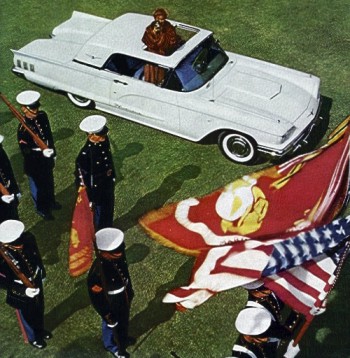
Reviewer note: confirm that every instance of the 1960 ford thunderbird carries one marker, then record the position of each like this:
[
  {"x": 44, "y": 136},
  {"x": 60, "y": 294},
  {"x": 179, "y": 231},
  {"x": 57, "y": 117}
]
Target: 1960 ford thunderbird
[{"x": 250, "y": 106}]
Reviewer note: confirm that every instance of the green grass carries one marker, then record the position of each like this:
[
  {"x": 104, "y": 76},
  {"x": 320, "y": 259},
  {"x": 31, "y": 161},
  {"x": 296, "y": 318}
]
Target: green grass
[{"x": 155, "y": 168}]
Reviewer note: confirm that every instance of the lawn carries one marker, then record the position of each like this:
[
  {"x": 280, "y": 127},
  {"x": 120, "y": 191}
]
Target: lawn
[{"x": 155, "y": 168}]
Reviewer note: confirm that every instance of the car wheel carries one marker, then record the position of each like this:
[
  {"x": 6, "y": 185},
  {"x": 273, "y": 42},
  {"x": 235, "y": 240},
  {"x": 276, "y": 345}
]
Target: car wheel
[
  {"x": 238, "y": 147},
  {"x": 80, "y": 101}
]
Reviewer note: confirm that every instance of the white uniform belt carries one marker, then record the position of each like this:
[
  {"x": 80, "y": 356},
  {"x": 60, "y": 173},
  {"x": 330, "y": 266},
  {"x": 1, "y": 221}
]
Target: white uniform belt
[
  {"x": 114, "y": 292},
  {"x": 36, "y": 149}
]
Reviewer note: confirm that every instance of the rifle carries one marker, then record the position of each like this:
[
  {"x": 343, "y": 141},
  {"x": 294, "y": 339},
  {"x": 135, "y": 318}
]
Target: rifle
[
  {"x": 13, "y": 264},
  {"x": 40, "y": 143}
]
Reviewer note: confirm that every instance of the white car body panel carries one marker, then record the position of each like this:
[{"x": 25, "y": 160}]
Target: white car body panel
[{"x": 258, "y": 99}]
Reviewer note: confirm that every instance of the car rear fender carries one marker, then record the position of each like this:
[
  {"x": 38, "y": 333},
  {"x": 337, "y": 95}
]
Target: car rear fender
[{"x": 79, "y": 28}]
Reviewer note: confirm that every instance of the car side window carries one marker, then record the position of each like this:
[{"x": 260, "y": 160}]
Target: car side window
[
  {"x": 136, "y": 68},
  {"x": 125, "y": 65}
]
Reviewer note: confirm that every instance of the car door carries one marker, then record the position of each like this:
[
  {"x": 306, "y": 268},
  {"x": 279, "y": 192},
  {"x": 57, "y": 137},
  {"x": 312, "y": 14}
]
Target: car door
[{"x": 142, "y": 101}]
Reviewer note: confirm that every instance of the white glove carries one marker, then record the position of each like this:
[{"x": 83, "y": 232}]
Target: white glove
[
  {"x": 19, "y": 195},
  {"x": 291, "y": 351},
  {"x": 8, "y": 198},
  {"x": 48, "y": 152},
  {"x": 32, "y": 292}
]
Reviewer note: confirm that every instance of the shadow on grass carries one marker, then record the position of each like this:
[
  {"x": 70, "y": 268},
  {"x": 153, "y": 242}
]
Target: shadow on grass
[
  {"x": 157, "y": 198},
  {"x": 119, "y": 156},
  {"x": 156, "y": 311},
  {"x": 78, "y": 300},
  {"x": 137, "y": 253},
  {"x": 17, "y": 166},
  {"x": 49, "y": 233},
  {"x": 63, "y": 133},
  {"x": 5, "y": 115},
  {"x": 78, "y": 348}
]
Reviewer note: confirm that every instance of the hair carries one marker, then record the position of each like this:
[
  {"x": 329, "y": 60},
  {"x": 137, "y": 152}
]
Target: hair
[{"x": 160, "y": 11}]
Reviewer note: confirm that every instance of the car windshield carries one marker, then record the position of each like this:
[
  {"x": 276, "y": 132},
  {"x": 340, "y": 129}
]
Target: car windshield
[{"x": 200, "y": 65}]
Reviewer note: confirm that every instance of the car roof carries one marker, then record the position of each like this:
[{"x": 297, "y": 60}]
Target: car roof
[{"x": 124, "y": 35}]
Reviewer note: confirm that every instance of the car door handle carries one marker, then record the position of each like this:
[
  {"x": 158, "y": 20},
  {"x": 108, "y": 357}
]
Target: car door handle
[{"x": 123, "y": 83}]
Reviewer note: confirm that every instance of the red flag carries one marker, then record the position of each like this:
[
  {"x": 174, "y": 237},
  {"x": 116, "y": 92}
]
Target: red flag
[
  {"x": 278, "y": 202},
  {"x": 81, "y": 236},
  {"x": 298, "y": 195}
]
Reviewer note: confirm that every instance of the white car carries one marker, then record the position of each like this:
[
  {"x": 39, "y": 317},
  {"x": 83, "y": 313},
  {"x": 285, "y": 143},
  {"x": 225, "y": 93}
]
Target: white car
[{"x": 250, "y": 106}]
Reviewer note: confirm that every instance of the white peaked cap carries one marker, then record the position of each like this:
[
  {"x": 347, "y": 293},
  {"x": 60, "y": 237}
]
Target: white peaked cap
[
  {"x": 93, "y": 124},
  {"x": 253, "y": 285},
  {"x": 253, "y": 321},
  {"x": 10, "y": 230},
  {"x": 28, "y": 98},
  {"x": 109, "y": 239},
  {"x": 1, "y": 138}
]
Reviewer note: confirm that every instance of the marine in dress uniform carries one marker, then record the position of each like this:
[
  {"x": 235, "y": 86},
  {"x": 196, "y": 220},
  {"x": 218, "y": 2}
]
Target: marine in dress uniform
[
  {"x": 95, "y": 170},
  {"x": 9, "y": 190},
  {"x": 260, "y": 334},
  {"x": 22, "y": 274},
  {"x": 110, "y": 290},
  {"x": 260, "y": 324},
  {"x": 38, "y": 164}
]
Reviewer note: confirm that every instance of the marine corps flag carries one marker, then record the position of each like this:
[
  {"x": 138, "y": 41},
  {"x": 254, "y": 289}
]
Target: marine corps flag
[
  {"x": 279, "y": 202},
  {"x": 81, "y": 236}
]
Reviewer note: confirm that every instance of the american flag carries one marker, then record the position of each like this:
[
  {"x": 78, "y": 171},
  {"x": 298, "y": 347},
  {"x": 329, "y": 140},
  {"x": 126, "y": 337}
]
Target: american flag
[
  {"x": 305, "y": 288},
  {"x": 297, "y": 269}
]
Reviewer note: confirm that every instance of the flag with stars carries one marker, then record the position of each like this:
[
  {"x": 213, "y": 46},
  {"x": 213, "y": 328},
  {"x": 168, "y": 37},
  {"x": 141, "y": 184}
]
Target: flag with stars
[
  {"x": 230, "y": 266},
  {"x": 305, "y": 287}
]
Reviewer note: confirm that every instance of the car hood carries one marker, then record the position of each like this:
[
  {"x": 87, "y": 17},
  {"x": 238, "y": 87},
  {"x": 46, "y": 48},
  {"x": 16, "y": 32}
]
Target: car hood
[{"x": 269, "y": 91}]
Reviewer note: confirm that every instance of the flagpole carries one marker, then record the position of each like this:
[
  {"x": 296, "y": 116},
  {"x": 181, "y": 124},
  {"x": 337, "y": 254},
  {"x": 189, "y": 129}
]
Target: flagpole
[
  {"x": 337, "y": 273},
  {"x": 302, "y": 331}
]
